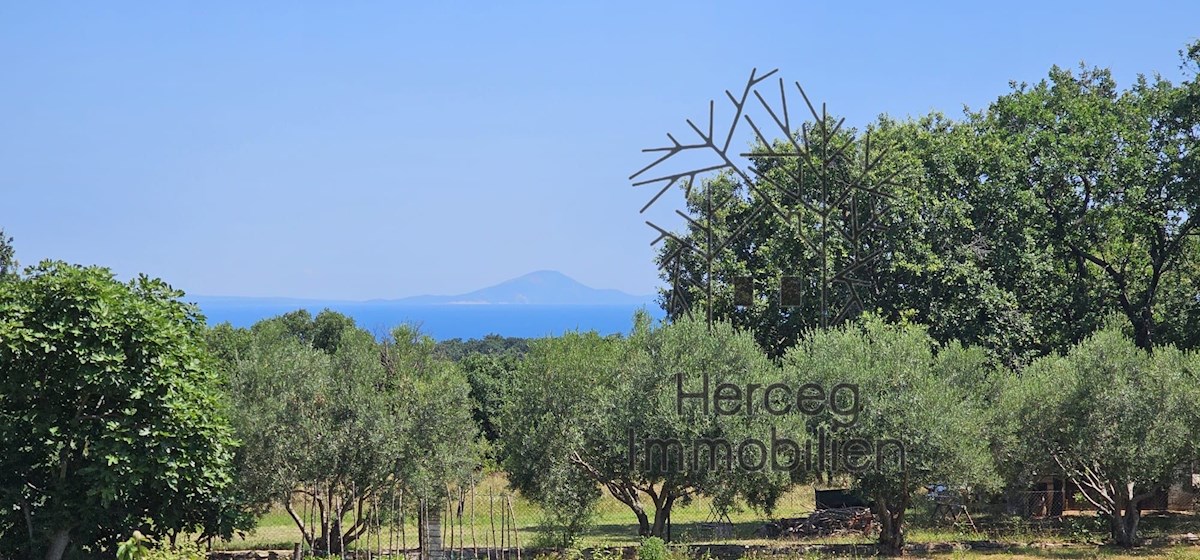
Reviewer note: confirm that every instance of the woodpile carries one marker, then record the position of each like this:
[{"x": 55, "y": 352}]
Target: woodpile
[{"x": 821, "y": 523}]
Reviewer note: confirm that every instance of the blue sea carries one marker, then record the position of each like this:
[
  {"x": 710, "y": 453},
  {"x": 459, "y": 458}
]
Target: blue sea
[{"x": 442, "y": 322}]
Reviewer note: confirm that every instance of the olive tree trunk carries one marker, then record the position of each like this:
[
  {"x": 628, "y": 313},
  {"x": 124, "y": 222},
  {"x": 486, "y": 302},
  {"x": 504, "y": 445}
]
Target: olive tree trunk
[{"x": 891, "y": 523}]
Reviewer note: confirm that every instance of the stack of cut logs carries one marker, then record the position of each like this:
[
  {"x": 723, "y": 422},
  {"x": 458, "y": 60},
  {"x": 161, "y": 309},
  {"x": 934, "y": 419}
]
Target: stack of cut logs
[{"x": 821, "y": 523}]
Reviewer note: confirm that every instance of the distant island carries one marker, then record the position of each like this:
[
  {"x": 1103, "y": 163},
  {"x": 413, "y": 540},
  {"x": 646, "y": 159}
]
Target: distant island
[
  {"x": 543, "y": 287},
  {"x": 540, "y": 303}
]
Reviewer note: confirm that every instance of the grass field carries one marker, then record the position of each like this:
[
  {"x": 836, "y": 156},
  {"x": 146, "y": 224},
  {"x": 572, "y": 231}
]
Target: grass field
[
  {"x": 614, "y": 525},
  {"x": 1178, "y": 552}
]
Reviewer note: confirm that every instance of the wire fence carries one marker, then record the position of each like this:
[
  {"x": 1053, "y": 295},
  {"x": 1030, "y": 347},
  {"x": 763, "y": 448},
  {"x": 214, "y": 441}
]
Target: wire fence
[
  {"x": 462, "y": 524},
  {"x": 490, "y": 522}
]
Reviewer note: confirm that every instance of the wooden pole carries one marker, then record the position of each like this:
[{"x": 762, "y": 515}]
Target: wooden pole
[
  {"x": 462, "y": 534},
  {"x": 450, "y": 518},
  {"x": 492, "y": 520},
  {"x": 325, "y": 523},
  {"x": 474, "y": 544},
  {"x": 338, "y": 525},
  {"x": 513, "y": 517}
]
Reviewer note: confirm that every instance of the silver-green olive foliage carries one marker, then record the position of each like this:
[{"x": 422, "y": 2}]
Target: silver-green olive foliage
[
  {"x": 928, "y": 399},
  {"x": 1118, "y": 421},
  {"x": 581, "y": 403},
  {"x": 333, "y": 416}
]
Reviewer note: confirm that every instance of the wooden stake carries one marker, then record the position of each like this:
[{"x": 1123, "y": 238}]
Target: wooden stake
[
  {"x": 492, "y": 520},
  {"x": 474, "y": 545},
  {"x": 513, "y": 522}
]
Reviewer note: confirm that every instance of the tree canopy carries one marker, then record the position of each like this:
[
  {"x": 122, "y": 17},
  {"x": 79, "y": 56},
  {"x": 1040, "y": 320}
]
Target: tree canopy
[
  {"x": 586, "y": 410},
  {"x": 110, "y": 417},
  {"x": 1017, "y": 228},
  {"x": 8, "y": 259},
  {"x": 338, "y": 420},
  {"x": 920, "y": 416},
  {"x": 1119, "y": 422}
]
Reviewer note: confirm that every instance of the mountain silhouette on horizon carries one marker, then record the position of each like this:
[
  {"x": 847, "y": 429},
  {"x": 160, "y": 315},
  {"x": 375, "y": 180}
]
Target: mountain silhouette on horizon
[{"x": 543, "y": 287}]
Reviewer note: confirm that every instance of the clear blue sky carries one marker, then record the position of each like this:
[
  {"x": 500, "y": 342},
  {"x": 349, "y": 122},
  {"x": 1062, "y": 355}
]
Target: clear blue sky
[{"x": 354, "y": 150}]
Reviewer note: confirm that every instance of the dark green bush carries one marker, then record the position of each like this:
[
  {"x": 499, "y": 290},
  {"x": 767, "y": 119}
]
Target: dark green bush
[{"x": 653, "y": 548}]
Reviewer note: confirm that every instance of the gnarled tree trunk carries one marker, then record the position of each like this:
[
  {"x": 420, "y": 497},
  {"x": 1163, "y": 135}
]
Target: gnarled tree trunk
[
  {"x": 1126, "y": 515},
  {"x": 891, "y": 525},
  {"x": 662, "y": 514},
  {"x": 643, "y": 522}
]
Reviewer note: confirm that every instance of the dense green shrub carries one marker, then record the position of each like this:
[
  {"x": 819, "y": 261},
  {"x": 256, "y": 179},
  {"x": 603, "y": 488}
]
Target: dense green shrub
[
  {"x": 653, "y": 548},
  {"x": 110, "y": 414}
]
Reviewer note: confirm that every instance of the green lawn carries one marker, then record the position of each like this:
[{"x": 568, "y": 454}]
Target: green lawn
[{"x": 615, "y": 525}]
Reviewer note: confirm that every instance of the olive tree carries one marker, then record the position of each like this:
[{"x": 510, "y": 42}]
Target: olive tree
[
  {"x": 550, "y": 404},
  {"x": 1116, "y": 420},
  {"x": 586, "y": 411},
  {"x": 345, "y": 425},
  {"x": 903, "y": 412},
  {"x": 110, "y": 419}
]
